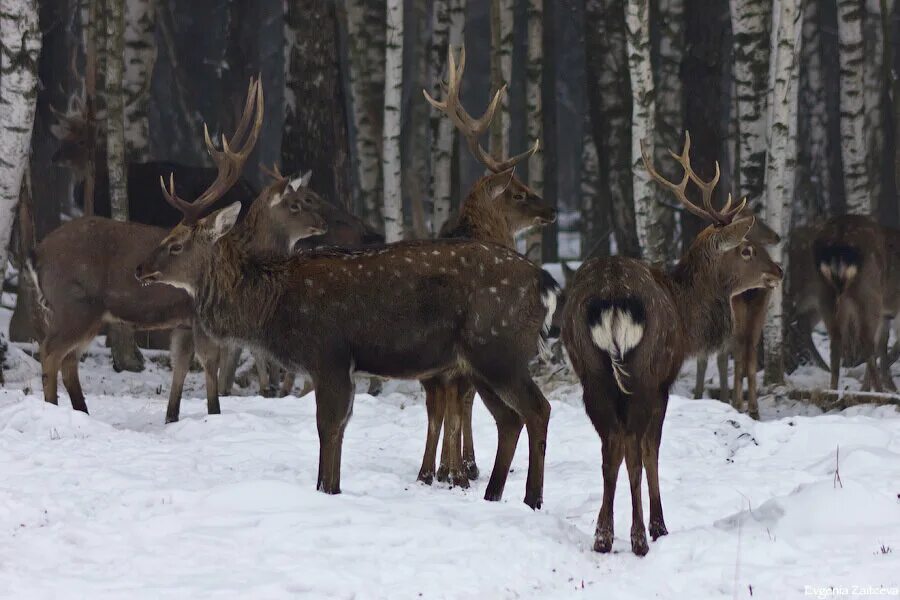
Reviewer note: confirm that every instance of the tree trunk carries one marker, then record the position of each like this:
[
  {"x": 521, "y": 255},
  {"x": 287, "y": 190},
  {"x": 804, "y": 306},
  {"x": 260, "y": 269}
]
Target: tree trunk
[
  {"x": 315, "y": 130},
  {"x": 609, "y": 99},
  {"x": 643, "y": 114},
  {"x": 594, "y": 206},
  {"x": 549, "y": 234},
  {"x": 750, "y": 27},
  {"x": 393, "y": 90},
  {"x": 668, "y": 23},
  {"x": 20, "y": 42},
  {"x": 366, "y": 87},
  {"x": 534, "y": 113},
  {"x": 781, "y": 162},
  {"x": 853, "y": 106},
  {"x": 501, "y": 72},
  {"x": 140, "y": 56},
  {"x": 874, "y": 85},
  {"x": 415, "y": 149}
]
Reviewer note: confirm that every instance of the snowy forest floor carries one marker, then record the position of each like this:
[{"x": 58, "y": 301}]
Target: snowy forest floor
[{"x": 116, "y": 504}]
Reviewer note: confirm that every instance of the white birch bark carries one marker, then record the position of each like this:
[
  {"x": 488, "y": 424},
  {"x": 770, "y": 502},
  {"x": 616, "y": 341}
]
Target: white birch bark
[
  {"x": 534, "y": 109},
  {"x": 115, "y": 117},
  {"x": 749, "y": 23},
  {"x": 140, "y": 57},
  {"x": 393, "y": 88},
  {"x": 441, "y": 129},
  {"x": 643, "y": 115},
  {"x": 364, "y": 78},
  {"x": 781, "y": 162},
  {"x": 853, "y": 106},
  {"x": 501, "y": 71},
  {"x": 20, "y": 47}
]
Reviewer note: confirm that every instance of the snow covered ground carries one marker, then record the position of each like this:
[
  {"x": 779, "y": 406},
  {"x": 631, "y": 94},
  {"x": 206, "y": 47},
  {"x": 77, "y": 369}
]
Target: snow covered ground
[{"x": 117, "y": 505}]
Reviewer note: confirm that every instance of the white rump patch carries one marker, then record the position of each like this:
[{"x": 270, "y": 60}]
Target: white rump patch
[{"x": 617, "y": 334}]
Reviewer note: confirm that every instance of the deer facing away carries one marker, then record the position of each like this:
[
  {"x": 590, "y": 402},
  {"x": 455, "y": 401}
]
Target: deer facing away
[
  {"x": 411, "y": 310},
  {"x": 628, "y": 327},
  {"x": 498, "y": 206},
  {"x": 84, "y": 272}
]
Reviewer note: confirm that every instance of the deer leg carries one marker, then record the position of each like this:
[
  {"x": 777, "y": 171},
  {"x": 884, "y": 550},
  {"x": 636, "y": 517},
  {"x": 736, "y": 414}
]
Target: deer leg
[
  {"x": 634, "y": 465},
  {"x": 750, "y": 364},
  {"x": 50, "y": 365},
  {"x": 835, "y": 352},
  {"x": 699, "y": 385},
  {"x": 740, "y": 364},
  {"x": 467, "y": 394},
  {"x": 334, "y": 405},
  {"x": 509, "y": 427},
  {"x": 434, "y": 403},
  {"x": 537, "y": 418},
  {"x": 452, "y": 440},
  {"x": 650, "y": 457},
  {"x": 262, "y": 372},
  {"x": 209, "y": 352},
  {"x": 287, "y": 384},
  {"x": 447, "y": 450},
  {"x": 231, "y": 356},
  {"x": 181, "y": 350},
  {"x": 722, "y": 364},
  {"x": 883, "y": 339},
  {"x": 70, "y": 380},
  {"x": 613, "y": 453}
]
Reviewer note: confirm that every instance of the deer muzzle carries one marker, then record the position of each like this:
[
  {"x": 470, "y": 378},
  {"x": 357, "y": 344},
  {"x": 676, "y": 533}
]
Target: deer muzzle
[{"x": 145, "y": 276}]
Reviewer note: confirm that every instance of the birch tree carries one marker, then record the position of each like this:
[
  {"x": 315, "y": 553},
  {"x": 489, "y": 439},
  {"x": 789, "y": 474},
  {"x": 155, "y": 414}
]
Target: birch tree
[
  {"x": 750, "y": 27},
  {"x": 447, "y": 31},
  {"x": 813, "y": 136},
  {"x": 643, "y": 114},
  {"x": 501, "y": 71},
  {"x": 140, "y": 57},
  {"x": 534, "y": 109},
  {"x": 393, "y": 91},
  {"x": 609, "y": 98},
  {"x": 115, "y": 105},
  {"x": 20, "y": 47},
  {"x": 366, "y": 78},
  {"x": 874, "y": 85},
  {"x": 853, "y": 106},
  {"x": 669, "y": 24},
  {"x": 781, "y": 162},
  {"x": 315, "y": 129}
]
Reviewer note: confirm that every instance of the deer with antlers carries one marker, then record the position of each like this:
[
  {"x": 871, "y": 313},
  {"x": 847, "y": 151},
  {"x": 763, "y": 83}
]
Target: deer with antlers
[
  {"x": 411, "y": 310},
  {"x": 496, "y": 209},
  {"x": 84, "y": 273},
  {"x": 628, "y": 327}
]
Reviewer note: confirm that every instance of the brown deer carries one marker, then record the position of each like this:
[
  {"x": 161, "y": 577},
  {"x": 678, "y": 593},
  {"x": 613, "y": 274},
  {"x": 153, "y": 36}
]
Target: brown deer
[
  {"x": 83, "y": 272},
  {"x": 748, "y": 313},
  {"x": 412, "y": 310},
  {"x": 859, "y": 290},
  {"x": 628, "y": 327},
  {"x": 496, "y": 209}
]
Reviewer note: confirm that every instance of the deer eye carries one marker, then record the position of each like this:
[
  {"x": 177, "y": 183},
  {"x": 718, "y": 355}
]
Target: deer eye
[
  {"x": 747, "y": 251},
  {"x": 175, "y": 248}
]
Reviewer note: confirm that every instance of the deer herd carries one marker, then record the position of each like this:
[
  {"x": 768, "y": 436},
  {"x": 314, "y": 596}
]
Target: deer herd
[{"x": 298, "y": 281}]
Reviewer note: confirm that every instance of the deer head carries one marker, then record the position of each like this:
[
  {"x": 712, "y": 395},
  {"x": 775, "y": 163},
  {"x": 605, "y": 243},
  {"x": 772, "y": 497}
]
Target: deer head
[
  {"x": 520, "y": 204},
  {"x": 181, "y": 256},
  {"x": 724, "y": 246}
]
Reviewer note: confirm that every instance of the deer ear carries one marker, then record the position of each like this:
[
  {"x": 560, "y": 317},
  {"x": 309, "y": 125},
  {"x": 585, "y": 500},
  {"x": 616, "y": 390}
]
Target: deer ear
[
  {"x": 501, "y": 181},
  {"x": 220, "y": 222},
  {"x": 731, "y": 236},
  {"x": 301, "y": 182}
]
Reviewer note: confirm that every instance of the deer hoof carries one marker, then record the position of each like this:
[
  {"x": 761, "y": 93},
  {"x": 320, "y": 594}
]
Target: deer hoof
[
  {"x": 331, "y": 490},
  {"x": 471, "y": 470},
  {"x": 443, "y": 473},
  {"x": 603, "y": 540},
  {"x": 658, "y": 529},
  {"x": 458, "y": 479},
  {"x": 171, "y": 420},
  {"x": 639, "y": 542},
  {"x": 533, "y": 502},
  {"x": 753, "y": 414},
  {"x": 426, "y": 477}
]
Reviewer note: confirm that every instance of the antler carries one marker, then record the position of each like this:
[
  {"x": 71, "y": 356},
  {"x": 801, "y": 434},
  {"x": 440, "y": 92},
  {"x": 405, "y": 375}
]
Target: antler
[
  {"x": 470, "y": 127},
  {"x": 230, "y": 162},
  {"x": 720, "y": 217}
]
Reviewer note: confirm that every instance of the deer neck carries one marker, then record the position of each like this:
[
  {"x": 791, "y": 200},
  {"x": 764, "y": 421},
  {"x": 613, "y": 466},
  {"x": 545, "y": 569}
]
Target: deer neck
[
  {"x": 256, "y": 233},
  {"x": 480, "y": 220},
  {"x": 703, "y": 300}
]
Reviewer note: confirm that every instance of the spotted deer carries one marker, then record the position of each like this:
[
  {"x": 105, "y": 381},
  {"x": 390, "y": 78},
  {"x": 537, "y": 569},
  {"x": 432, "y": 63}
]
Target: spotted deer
[
  {"x": 629, "y": 326},
  {"x": 858, "y": 293},
  {"x": 496, "y": 209},
  {"x": 411, "y": 310},
  {"x": 748, "y": 311},
  {"x": 84, "y": 274}
]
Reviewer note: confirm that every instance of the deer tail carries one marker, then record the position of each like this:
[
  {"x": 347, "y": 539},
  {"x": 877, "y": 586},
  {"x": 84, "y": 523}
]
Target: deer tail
[
  {"x": 839, "y": 264},
  {"x": 617, "y": 327}
]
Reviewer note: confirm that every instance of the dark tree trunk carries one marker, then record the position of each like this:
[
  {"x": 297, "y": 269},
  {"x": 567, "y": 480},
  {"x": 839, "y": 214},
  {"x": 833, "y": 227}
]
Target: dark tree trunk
[
  {"x": 550, "y": 243},
  {"x": 315, "y": 132}
]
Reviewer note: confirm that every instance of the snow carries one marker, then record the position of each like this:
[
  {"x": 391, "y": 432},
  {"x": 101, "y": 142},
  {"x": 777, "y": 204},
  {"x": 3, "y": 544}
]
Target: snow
[{"x": 116, "y": 504}]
